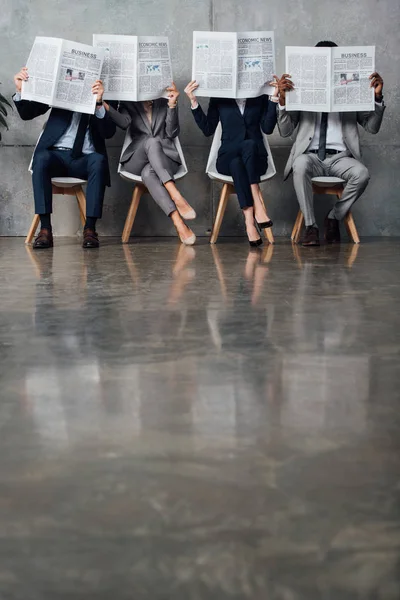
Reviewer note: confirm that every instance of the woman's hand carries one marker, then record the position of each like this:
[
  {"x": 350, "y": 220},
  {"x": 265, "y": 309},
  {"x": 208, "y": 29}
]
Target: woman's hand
[
  {"x": 173, "y": 95},
  {"x": 19, "y": 78},
  {"x": 98, "y": 89},
  {"x": 190, "y": 92},
  {"x": 282, "y": 85}
]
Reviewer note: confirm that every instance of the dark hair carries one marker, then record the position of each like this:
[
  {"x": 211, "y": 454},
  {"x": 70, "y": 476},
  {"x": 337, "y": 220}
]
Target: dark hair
[{"x": 326, "y": 45}]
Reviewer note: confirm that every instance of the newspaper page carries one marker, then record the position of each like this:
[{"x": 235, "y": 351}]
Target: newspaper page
[
  {"x": 310, "y": 71},
  {"x": 154, "y": 67},
  {"x": 80, "y": 66},
  {"x": 42, "y": 69},
  {"x": 214, "y": 63},
  {"x": 255, "y": 63},
  {"x": 351, "y": 86},
  {"x": 119, "y": 72}
]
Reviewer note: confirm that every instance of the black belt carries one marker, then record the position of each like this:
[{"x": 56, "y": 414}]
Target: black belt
[{"x": 327, "y": 151}]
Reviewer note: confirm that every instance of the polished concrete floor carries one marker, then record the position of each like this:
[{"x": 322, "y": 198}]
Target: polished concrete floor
[{"x": 200, "y": 423}]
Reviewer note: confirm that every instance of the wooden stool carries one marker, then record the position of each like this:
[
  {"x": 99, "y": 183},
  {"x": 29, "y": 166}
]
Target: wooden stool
[
  {"x": 68, "y": 186},
  {"x": 138, "y": 192},
  {"x": 333, "y": 186},
  {"x": 227, "y": 190}
]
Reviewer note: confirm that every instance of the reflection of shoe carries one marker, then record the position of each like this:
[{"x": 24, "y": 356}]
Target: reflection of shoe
[
  {"x": 43, "y": 240},
  {"x": 90, "y": 239},
  {"x": 332, "y": 230},
  {"x": 311, "y": 237}
]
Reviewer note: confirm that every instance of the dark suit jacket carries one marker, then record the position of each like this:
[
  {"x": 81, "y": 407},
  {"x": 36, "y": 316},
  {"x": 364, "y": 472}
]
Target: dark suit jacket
[
  {"x": 59, "y": 121},
  {"x": 164, "y": 126},
  {"x": 259, "y": 113}
]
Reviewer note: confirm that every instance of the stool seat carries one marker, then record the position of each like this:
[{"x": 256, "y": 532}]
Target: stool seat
[
  {"x": 327, "y": 181},
  {"x": 67, "y": 182}
]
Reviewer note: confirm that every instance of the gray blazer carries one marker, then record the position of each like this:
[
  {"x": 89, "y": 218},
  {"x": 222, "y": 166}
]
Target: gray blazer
[
  {"x": 164, "y": 126},
  {"x": 305, "y": 123}
]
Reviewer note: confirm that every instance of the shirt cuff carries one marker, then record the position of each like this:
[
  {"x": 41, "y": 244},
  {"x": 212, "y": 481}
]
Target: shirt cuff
[
  {"x": 100, "y": 112},
  {"x": 195, "y": 107},
  {"x": 281, "y": 107},
  {"x": 17, "y": 97},
  {"x": 379, "y": 103}
]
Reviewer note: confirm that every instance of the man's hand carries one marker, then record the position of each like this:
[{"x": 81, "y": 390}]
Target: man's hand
[
  {"x": 190, "y": 91},
  {"x": 173, "y": 95},
  {"x": 377, "y": 84},
  {"x": 20, "y": 77},
  {"x": 98, "y": 89},
  {"x": 283, "y": 85}
]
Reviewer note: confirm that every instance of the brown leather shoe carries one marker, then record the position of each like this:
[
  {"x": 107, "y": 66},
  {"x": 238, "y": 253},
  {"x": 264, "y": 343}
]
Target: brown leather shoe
[
  {"x": 311, "y": 236},
  {"x": 43, "y": 240},
  {"x": 332, "y": 230},
  {"x": 90, "y": 239}
]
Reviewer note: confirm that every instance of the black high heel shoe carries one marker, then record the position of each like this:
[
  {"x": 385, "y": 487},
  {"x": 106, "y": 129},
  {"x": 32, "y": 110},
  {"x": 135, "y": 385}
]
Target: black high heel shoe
[
  {"x": 256, "y": 243},
  {"x": 265, "y": 225}
]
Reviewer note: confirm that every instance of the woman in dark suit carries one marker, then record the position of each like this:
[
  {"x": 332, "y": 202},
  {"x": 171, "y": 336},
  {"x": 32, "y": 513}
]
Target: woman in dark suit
[
  {"x": 152, "y": 154},
  {"x": 242, "y": 153}
]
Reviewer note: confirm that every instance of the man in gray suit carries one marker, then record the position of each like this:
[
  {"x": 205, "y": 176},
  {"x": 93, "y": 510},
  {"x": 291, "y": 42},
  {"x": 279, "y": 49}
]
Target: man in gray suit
[
  {"x": 152, "y": 154},
  {"x": 327, "y": 145}
]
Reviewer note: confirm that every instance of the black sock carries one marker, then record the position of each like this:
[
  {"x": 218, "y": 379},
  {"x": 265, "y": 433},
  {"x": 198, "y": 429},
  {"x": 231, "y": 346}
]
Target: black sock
[
  {"x": 91, "y": 223},
  {"x": 45, "y": 221}
]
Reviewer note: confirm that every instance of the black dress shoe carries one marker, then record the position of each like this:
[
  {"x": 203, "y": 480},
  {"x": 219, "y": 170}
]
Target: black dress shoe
[
  {"x": 256, "y": 243},
  {"x": 311, "y": 236},
  {"x": 265, "y": 224},
  {"x": 332, "y": 230},
  {"x": 43, "y": 240},
  {"x": 90, "y": 238}
]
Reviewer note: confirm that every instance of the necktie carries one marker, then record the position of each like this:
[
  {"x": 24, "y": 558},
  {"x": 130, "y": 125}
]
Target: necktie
[
  {"x": 322, "y": 136},
  {"x": 80, "y": 136}
]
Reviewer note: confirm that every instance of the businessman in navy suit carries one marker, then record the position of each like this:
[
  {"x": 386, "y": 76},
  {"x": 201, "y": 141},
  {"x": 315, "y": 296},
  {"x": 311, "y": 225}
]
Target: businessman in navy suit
[
  {"x": 71, "y": 145},
  {"x": 242, "y": 153}
]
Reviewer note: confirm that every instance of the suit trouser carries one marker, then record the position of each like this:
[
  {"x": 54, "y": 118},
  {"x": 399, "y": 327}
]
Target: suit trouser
[
  {"x": 245, "y": 164},
  {"x": 343, "y": 165},
  {"x": 59, "y": 163},
  {"x": 155, "y": 168}
]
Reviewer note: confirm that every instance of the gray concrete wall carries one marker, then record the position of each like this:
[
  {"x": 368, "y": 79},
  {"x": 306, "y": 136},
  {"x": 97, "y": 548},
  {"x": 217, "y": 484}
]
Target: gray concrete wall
[{"x": 295, "y": 22}]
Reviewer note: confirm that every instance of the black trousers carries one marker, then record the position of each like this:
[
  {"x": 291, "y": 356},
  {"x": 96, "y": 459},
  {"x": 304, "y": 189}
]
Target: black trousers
[
  {"x": 245, "y": 164},
  {"x": 59, "y": 163}
]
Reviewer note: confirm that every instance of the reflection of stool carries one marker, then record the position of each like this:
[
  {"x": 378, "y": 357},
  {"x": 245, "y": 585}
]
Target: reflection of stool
[
  {"x": 68, "y": 186},
  {"x": 331, "y": 186}
]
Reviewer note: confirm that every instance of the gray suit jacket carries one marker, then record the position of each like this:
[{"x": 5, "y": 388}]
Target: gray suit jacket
[
  {"x": 164, "y": 126},
  {"x": 305, "y": 123}
]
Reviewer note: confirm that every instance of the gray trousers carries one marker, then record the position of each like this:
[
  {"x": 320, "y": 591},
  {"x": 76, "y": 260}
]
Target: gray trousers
[
  {"x": 307, "y": 166},
  {"x": 155, "y": 168}
]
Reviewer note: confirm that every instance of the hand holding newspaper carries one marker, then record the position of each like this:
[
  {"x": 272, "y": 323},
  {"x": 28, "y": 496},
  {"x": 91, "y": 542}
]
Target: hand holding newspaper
[
  {"x": 233, "y": 65},
  {"x": 61, "y": 74},
  {"x": 135, "y": 67},
  {"x": 330, "y": 79}
]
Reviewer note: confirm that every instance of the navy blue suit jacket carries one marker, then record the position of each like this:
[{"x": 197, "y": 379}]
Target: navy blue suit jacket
[
  {"x": 259, "y": 114},
  {"x": 58, "y": 123}
]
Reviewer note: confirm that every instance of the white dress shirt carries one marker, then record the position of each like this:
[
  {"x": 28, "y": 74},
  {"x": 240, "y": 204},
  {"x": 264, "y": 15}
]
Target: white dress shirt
[
  {"x": 67, "y": 140},
  {"x": 334, "y": 133}
]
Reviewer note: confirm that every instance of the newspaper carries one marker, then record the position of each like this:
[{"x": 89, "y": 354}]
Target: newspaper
[
  {"x": 61, "y": 74},
  {"x": 233, "y": 64},
  {"x": 330, "y": 79},
  {"x": 135, "y": 67}
]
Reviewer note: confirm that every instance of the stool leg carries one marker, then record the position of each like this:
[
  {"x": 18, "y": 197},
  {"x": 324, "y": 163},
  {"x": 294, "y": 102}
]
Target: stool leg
[
  {"x": 223, "y": 200},
  {"x": 32, "y": 229},
  {"x": 81, "y": 199},
  {"x": 130, "y": 219},
  {"x": 351, "y": 228},
  {"x": 267, "y": 232},
  {"x": 295, "y": 226},
  {"x": 298, "y": 227}
]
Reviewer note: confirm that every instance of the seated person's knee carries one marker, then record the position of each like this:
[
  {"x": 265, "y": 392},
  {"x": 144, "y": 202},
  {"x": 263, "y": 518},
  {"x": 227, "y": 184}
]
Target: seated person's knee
[
  {"x": 97, "y": 161},
  {"x": 42, "y": 159},
  {"x": 152, "y": 142},
  {"x": 301, "y": 164}
]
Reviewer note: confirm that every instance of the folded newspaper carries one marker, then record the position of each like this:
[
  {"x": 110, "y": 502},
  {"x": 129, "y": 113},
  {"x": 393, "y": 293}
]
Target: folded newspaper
[
  {"x": 135, "y": 67},
  {"x": 61, "y": 74},
  {"x": 330, "y": 79},
  {"x": 233, "y": 65}
]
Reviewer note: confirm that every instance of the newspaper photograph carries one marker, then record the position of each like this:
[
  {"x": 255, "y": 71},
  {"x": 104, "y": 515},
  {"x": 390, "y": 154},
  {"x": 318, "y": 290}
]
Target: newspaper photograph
[
  {"x": 119, "y": 72},
  {"x": 255, "y": 63},
  {"x": 135, "y": 67},
  {"x": 351, "y": 85},
  {"x": 64, "y": 75},
  {"x": 330, "y": 79},
  {"x": 214, "y": 63}
]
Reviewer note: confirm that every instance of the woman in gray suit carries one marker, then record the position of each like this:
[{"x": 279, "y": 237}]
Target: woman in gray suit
[{"x": 152, "y": 154}]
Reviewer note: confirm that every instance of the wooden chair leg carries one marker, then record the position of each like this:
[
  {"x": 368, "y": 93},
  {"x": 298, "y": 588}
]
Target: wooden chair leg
[
  {"x": 81, "y": 199},
  {"x": 32, "y": 229},
  {"x": 267, "y": 232},
  {"x": 298, "y": 227},
  {"x": 351, "y": 228},
  {"x": 223, "y": 200},
  {"x": 130, "y": 219}
]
